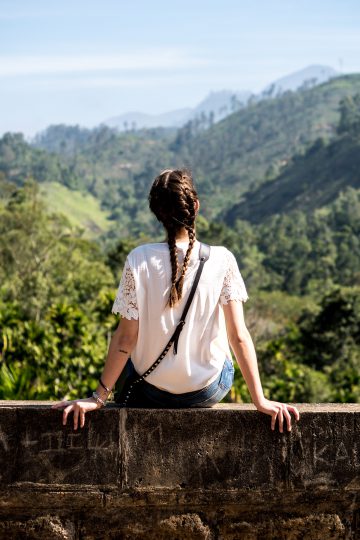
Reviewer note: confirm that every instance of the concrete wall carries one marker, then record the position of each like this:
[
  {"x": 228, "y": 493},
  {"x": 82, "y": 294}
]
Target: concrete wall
[{"x": 179, "y": 474}]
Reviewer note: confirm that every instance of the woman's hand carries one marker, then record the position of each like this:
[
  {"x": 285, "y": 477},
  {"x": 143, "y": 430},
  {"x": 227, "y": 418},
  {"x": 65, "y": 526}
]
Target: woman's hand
[
  {"x": 277, "y": 411},
  {"x": 79, "y": 407}
]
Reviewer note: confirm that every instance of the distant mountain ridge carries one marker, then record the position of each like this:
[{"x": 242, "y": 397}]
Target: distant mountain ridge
[
  {"x": 304, "y": 78},
  {"x": 218, "y": 105},
  {"x": 248, "y": 150},
  {"x": 139, "y": 120},
  {"x": 255, "y": 143}
]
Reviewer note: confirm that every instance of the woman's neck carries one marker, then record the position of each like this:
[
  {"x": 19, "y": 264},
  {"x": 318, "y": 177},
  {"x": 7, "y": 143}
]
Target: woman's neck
[{"x": 182, "y": 236}]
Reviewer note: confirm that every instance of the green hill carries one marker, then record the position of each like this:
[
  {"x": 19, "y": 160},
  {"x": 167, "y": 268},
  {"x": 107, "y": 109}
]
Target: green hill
[
  {"x": 312, "y": 180},
  {"x": 250, "y": 147},
  {"x": 255, "y": 143},
  {"x": 246, "y": 149},
  {"x": 116, "y": 169},
  {"x": 82, "y": 209}
]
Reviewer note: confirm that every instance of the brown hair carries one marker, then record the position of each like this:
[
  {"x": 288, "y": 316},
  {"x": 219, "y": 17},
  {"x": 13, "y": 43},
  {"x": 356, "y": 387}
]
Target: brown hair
[{"x": 172, "y": 199}]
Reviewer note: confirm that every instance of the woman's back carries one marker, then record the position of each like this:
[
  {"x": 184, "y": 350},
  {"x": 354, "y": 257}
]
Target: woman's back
[
  {"x": 153, "y": 290},
  {"x": 203, "y": 346}
]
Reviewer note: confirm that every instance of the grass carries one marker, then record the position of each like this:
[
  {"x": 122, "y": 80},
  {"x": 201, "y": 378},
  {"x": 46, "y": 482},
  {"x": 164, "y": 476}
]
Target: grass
[{"x": 82, "y": 209}]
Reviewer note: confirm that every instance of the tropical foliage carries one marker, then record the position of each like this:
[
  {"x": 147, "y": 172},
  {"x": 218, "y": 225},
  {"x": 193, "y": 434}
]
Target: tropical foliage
[{"x": 279, "y": 186}]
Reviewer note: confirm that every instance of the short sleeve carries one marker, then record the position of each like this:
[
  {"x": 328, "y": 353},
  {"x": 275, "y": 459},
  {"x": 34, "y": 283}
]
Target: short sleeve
[
  {"x": 233, "y": 286},
  {"x": 125, "y": 302}
]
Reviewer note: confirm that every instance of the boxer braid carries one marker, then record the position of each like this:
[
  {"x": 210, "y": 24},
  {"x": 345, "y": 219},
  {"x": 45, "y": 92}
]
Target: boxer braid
[{"x": 172, "y": 199}]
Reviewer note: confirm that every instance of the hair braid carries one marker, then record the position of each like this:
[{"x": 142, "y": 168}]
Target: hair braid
[
  {"x": 172, "y": 198},
  {"x": 180, "y": 282},
  {"x": 173, "y": 297}
]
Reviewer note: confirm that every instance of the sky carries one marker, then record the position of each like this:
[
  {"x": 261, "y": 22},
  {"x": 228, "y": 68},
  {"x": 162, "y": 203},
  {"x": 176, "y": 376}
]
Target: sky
[{"x": 84, "y": 61}]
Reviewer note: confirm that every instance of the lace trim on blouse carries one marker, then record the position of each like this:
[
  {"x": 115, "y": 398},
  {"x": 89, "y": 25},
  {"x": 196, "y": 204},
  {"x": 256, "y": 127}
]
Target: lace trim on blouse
[
  {"x": 126, "y": 302},
  {"x": 233, "y": 285}
]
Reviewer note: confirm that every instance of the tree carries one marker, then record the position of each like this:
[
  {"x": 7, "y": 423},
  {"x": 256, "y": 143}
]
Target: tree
[
  {"x": 350, "y": 115},
  {"x": 55, "y": 303},
  {"x": 331, "y": 334}
]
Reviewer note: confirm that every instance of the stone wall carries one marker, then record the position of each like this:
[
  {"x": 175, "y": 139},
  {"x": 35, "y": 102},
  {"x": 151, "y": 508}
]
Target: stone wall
[{"x": 179, "y": 474}]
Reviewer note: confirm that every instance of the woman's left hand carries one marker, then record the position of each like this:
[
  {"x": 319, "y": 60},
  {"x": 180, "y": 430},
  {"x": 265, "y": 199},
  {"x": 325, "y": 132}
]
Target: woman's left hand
[{"x": 79, "y": 407}]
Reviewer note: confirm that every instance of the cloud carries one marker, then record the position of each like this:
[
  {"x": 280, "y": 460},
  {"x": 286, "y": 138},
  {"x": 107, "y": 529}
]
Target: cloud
[
  {"x": 143, "y": 60},
  {"x": 147, "y": 80}
]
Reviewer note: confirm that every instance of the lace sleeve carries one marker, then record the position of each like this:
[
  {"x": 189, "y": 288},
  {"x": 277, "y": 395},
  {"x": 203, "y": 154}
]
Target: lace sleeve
[
  {"x": 233, "y": 285},
  {"x": 125, "y": 302}
]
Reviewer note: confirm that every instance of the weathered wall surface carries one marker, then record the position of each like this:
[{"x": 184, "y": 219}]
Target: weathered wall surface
[{"x": 179, "y": 474}]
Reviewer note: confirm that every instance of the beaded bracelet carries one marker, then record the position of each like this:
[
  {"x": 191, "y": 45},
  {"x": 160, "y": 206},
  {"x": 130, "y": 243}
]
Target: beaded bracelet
[{"x": 98, "y": 399}]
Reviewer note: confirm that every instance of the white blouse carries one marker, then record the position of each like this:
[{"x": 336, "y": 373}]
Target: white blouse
[{"x": 203, "y": 344}]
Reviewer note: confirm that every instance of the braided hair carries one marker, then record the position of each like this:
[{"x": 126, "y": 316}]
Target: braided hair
[{"x": 173, "y": 200}]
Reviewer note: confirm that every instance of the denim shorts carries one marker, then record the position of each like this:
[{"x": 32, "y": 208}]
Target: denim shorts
[{"x": 153, "y": 397}]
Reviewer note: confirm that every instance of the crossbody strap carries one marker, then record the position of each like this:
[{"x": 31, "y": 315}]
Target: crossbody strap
[{"x": 204, "y": 255}]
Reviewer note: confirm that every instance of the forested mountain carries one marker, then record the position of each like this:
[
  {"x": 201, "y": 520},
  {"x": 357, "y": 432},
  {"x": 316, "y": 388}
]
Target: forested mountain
[
  {"x": 250, "y": 147},
  {"x": 219, "y": 104},
  {"x": 57, "y": 290},
  {"x": 298, "y": 248},
  {"x": 254, "y": 144},
  {"x": 304, "y": 78},
  {"x": 216, "y": 106},
  {"x": 311, "y": 180},
  {"x": 115, "y": 168},
  {"x": 68, "y": 140},
  {"x": 19, "y": 160}
]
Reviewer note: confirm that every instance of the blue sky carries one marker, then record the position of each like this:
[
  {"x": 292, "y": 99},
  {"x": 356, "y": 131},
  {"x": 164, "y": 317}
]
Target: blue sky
[{"x": 82, "y": 62}]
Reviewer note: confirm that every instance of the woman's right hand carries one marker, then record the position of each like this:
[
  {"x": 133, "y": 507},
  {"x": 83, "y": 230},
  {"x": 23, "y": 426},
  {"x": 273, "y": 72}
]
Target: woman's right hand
[{"x": 278, "y": 410}]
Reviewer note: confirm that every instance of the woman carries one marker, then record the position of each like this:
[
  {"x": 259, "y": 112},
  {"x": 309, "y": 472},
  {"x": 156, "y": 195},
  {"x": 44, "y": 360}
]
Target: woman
[{"x": 153, "y": 290}]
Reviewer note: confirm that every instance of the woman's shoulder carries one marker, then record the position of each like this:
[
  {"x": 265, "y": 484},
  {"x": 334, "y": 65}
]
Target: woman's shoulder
[
  {"x": 223, "y": 258},
  {"x": 143, "y": 251},
  {"x": 220, "y": 249},
  {"x": 221, "y": 252}
]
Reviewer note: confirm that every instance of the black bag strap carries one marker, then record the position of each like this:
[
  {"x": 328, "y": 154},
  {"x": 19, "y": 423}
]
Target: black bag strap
[{"x": 204, "y": 254}]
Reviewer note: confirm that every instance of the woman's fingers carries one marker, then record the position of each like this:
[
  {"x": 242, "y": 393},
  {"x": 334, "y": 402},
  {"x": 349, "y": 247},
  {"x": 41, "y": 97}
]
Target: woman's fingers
[
  {"x": 273, "y": 419},
  {"x": 288, "y": 418},
  {"x": 79, "y": 408},
  {"x": 76, "y": 416},
  {"x": 82, "y": 418},
  {"x": 79, "y": 414},
  {"x": 60, "y": 404},
  {"x": 66, "y": 412},
  {"x": 295, "y": 411},
  {"x": 281, "y": 411},
  {"x": 280, "y": 420}
]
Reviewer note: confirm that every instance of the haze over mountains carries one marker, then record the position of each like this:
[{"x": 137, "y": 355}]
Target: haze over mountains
[
  {"x": 307, "y": 77},
  {"x": 220, "y": 104},
  {"x": 257, "y": 162}
]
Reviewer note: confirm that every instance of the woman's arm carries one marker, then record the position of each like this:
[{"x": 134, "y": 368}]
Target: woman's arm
[
  {"x": 243, "y": 348},
  {"x": 121, "y": 345}
]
